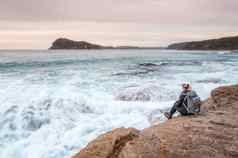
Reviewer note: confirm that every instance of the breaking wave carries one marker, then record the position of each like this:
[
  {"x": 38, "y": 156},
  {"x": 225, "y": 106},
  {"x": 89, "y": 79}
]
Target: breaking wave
[{"x": 146, "y": 93}]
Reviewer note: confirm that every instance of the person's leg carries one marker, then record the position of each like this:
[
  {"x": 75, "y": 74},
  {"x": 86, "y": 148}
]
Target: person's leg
[
  {"x": 182, "y": 110},
  {"x": 173, "y": 110},
  {"x": 169, "y": 115}
]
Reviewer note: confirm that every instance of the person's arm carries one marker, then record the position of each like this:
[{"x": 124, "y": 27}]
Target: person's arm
[{"x": 179, "y": 102}]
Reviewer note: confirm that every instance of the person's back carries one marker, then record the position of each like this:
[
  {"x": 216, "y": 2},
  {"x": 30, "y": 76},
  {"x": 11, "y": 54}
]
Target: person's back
[
  {"x": 192, "y": 102},
  {"x": 181, "y": 105}
]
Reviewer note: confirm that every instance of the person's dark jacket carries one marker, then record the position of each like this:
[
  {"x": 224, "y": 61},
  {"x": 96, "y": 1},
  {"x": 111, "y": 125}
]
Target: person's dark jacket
[{"x": 179, "y": 103}]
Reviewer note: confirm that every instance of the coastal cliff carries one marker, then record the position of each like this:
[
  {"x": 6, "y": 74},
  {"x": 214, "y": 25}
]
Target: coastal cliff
[
  {"x": 227, "y": 43},
  {"x": 211, "y": 134}
]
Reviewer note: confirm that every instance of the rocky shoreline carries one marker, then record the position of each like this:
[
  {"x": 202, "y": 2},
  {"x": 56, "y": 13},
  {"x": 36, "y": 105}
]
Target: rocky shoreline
[{"x": 211, "y": 134}]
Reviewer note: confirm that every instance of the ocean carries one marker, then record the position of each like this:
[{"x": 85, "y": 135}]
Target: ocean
[{"x": 54, "y": 102}]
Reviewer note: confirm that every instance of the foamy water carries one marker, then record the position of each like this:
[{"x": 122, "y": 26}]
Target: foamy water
[{"x": 52, "y": 103}]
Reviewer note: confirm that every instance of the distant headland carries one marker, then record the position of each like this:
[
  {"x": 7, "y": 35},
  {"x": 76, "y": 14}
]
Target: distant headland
[
  {"x": 225, "y": 43},
  {"x": 64, "y": 43}
]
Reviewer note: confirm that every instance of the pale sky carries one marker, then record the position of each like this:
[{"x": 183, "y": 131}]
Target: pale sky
[{"x": 35, "y": 24}]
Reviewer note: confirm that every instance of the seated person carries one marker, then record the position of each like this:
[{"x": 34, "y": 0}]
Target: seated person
[{"x": 187, "y": 104}]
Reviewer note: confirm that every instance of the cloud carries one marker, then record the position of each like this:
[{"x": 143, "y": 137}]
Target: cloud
[
  {"x": 36, "y": 23},
  {"x": 154, "y": 11}
]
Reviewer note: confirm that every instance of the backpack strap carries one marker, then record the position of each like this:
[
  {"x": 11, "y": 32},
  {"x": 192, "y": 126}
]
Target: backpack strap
[{"x": 185, "y": 102}]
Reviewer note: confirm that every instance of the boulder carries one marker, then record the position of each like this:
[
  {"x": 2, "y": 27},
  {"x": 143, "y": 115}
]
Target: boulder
[{"x": 108, "y": 145}]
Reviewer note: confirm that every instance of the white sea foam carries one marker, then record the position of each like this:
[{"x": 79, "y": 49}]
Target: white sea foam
[{"x": 53, "y": 103}]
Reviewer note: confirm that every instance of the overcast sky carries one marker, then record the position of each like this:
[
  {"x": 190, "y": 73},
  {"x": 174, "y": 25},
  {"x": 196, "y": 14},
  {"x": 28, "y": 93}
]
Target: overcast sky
[{"x": 35, "y": 24}]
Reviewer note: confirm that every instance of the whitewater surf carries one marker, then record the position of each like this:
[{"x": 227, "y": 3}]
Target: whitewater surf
[{"x": 52, "y": 103}]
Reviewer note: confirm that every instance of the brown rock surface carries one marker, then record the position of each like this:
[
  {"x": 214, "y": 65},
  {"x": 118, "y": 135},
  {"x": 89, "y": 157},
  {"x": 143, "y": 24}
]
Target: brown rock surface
[
  {"x": 108, "y": 145},
  {"x": 212, "y": 134}
]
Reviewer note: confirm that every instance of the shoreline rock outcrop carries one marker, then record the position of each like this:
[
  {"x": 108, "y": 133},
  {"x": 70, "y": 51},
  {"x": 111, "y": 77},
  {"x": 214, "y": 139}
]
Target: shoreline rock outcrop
[{"x": 213, "y": 133}]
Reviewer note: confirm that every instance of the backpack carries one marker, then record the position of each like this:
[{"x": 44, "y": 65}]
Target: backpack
[{"x": 192, "y": 102}]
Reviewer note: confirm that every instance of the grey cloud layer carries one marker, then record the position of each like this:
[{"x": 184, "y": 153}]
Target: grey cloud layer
[
  {"x": 36, "y": 23},
  {"x": 155, "y": 11}
]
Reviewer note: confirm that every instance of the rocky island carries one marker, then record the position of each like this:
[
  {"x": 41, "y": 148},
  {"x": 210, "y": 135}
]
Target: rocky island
[
  {"x": 226, "y": 43},
  {"x": 64, "y": 43},
  {"x": 212, "y": 134}
]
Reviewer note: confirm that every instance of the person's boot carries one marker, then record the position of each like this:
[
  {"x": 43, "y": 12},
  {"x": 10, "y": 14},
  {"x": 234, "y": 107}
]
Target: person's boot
[{"x": 167, "y": 115}]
